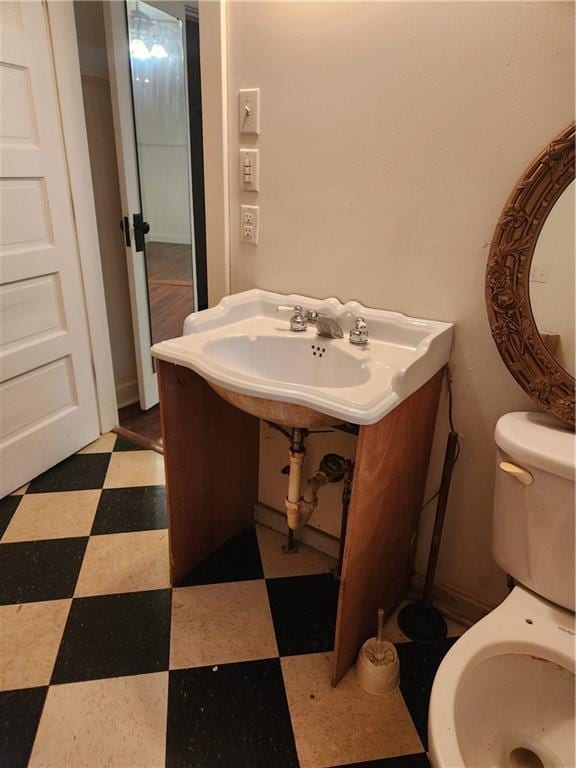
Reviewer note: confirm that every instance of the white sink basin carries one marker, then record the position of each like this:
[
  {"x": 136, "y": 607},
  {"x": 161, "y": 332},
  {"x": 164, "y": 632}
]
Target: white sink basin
[
  {"x": 292, "y": 358},
  {"x": 243, "y": 345}
]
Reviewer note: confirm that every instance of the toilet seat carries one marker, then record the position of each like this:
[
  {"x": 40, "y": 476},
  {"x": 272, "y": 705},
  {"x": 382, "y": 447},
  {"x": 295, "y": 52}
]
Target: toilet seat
[{"x": 510, "y": 680}]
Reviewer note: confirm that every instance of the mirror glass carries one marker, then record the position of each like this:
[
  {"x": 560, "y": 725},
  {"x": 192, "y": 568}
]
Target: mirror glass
[
  {"x": 552, "y": 277},
  {"x": 157, "y": 63}
]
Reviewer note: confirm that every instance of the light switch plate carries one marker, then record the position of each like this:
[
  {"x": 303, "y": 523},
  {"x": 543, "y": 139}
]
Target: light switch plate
[
  {"x": 249, "y": 110},
  {"x": 249, "y": 170},
  {"x": 249, "y": 223}
]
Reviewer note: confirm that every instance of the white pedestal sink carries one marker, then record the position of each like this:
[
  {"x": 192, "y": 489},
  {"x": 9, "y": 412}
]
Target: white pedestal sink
[{"x": 247, "y": 353}]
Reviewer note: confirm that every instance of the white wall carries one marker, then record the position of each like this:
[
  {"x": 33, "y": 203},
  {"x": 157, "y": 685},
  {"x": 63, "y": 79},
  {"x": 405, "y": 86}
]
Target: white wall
[
  {"x": 553, "y": 301},
  {"x": 392, "y": 134},
  {"x": 100, "y": 129},
  {"x": 165, "y": 192}
]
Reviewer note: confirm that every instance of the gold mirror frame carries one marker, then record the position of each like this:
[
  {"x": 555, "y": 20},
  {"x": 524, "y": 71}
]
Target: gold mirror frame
[{"x": 508, "y": 279}]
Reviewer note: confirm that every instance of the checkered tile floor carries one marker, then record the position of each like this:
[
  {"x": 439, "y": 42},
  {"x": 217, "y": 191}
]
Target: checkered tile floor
[{"x": 103, "y": 664}]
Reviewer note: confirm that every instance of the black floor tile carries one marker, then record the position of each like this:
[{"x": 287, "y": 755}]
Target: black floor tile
[
  {"x": 234, "y": 717},
  {"x": 125, "y": 444},
  {"x": 304, "y": 613},
  {"x": 236, "y": 560},
  {"x": 115, "y": 635},
  {"x": 77, "y": 473},
  {"x": 40, "y": 570},
  {"x": 19, "y": 717},
  {"x": 404, "y": 761},
  {"x": 418, "y": 666},
  {"x": 7, "y": 508},
  {"x": 131, "y": 509}
]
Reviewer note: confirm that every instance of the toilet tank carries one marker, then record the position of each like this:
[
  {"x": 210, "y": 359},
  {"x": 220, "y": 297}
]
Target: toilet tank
[{"x": 533, "y": 525}]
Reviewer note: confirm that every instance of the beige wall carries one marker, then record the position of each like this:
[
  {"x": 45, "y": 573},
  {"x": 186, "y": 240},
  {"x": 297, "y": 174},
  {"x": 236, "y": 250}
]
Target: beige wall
[
  {"x": 392, "y": 134},
  {"x": 100, "y": 129}
]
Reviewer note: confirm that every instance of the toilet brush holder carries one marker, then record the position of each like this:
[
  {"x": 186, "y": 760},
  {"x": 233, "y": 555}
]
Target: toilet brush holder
[{"x": 378, "y": 667}]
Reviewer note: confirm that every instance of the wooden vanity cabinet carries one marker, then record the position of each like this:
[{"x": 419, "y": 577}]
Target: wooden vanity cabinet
[{"x": 211, "y": 460}]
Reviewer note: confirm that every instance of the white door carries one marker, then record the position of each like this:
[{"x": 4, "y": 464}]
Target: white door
[
  {"x": 147, "y": 66},
  {"x": 47, "y": 396}
]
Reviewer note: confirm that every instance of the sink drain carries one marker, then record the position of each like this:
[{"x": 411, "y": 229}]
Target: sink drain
[{"x": 525, "y": 758}]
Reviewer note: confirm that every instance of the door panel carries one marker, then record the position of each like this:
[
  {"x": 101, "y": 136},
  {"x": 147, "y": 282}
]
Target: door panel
[
  {"x": 30, "y": 309},
  {"x": 31, "y": 399},
  {"x": 47, "y": 396}
]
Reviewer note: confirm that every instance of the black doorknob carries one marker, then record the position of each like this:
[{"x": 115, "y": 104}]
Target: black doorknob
[
  {"x": 144, "y": 227},
  {"x": 141, "y": 228}
]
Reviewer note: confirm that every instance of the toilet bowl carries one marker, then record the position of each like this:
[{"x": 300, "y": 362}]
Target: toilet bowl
[{"x": 503, "y": 696}]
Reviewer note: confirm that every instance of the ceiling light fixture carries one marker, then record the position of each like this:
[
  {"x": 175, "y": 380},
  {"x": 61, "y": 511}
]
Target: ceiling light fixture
[
  {"x": 139, "y": 49},
  {"x": 158, "y": 51}
]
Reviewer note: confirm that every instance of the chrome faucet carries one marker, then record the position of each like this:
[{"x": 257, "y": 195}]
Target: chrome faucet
[
  {"x": 328, "y": 328},
  {"x": 299, "y": 320},
  {"x": 359, "y": 333},
  {"x": 302, "y": 318}
]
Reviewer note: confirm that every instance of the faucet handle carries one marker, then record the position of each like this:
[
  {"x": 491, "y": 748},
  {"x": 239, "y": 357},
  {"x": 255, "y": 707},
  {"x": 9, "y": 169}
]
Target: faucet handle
[
  {"x": 359, "y": 333},
  {"x": 298, "y": 321},
  {"x": 311, "y": 314}
]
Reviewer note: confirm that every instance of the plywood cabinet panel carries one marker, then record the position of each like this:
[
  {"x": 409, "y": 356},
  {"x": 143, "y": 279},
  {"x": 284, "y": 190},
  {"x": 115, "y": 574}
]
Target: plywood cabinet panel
[{"x": 388, "y": 489}]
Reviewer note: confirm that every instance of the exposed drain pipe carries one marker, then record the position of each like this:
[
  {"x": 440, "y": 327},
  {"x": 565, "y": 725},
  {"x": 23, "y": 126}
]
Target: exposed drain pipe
[
  {"x": 299, "y": 509},
  {"x": 333, "y": 468},
  {"x": 297, "y": 453}
]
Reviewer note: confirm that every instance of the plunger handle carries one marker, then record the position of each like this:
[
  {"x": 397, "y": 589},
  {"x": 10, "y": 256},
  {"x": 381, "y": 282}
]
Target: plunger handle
[
  {"x": 380, "y": 625},
  {"x": 449, "y": 458},
  {"x": 380, "y": 633}
]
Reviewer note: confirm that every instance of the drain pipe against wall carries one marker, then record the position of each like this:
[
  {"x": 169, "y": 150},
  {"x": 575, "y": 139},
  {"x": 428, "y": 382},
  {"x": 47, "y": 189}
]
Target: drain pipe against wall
[{"x": 300, "y": 507}]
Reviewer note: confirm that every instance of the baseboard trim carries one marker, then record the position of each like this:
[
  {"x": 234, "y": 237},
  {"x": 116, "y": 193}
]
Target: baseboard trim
[
  {"x": 453, "y": 604},
  {"x": 127, "y": 393},
  {"x": 312, "y": 537},
  {"x": 170, "y": 239}
]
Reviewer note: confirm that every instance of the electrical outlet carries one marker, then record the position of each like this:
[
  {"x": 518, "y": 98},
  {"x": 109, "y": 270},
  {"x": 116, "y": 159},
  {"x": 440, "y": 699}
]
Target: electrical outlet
[{"x": 249, "y": 225}]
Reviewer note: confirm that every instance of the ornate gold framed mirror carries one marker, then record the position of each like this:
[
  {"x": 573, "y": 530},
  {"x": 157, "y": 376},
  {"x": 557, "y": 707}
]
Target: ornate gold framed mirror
[{"x": 530, "y": 279}]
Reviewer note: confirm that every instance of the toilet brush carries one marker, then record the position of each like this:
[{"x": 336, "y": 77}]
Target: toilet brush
[
  {"x": 421, "y": 621},
  {"x": 378, "y": 667}
]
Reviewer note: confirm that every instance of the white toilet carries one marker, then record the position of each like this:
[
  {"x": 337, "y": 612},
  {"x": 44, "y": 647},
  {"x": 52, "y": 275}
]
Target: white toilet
[{"x": 503, "y": 696}]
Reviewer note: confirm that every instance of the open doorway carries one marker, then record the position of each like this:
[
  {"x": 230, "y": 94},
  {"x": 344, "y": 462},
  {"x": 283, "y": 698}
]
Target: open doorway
[{"x": 161, "y": 49}]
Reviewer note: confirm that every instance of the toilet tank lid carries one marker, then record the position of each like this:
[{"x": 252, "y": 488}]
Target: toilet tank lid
[{"x": 540, "y": 440}]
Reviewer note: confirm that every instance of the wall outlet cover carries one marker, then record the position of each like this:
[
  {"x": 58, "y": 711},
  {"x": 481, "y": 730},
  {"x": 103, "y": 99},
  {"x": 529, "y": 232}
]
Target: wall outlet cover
[{"x": 249, "y": 223}]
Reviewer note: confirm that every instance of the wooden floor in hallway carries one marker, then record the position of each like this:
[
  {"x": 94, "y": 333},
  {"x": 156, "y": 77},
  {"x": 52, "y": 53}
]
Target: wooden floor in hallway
[
  {"x": 144, "y": 424},
  {"x": 170, "y": 288}
]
